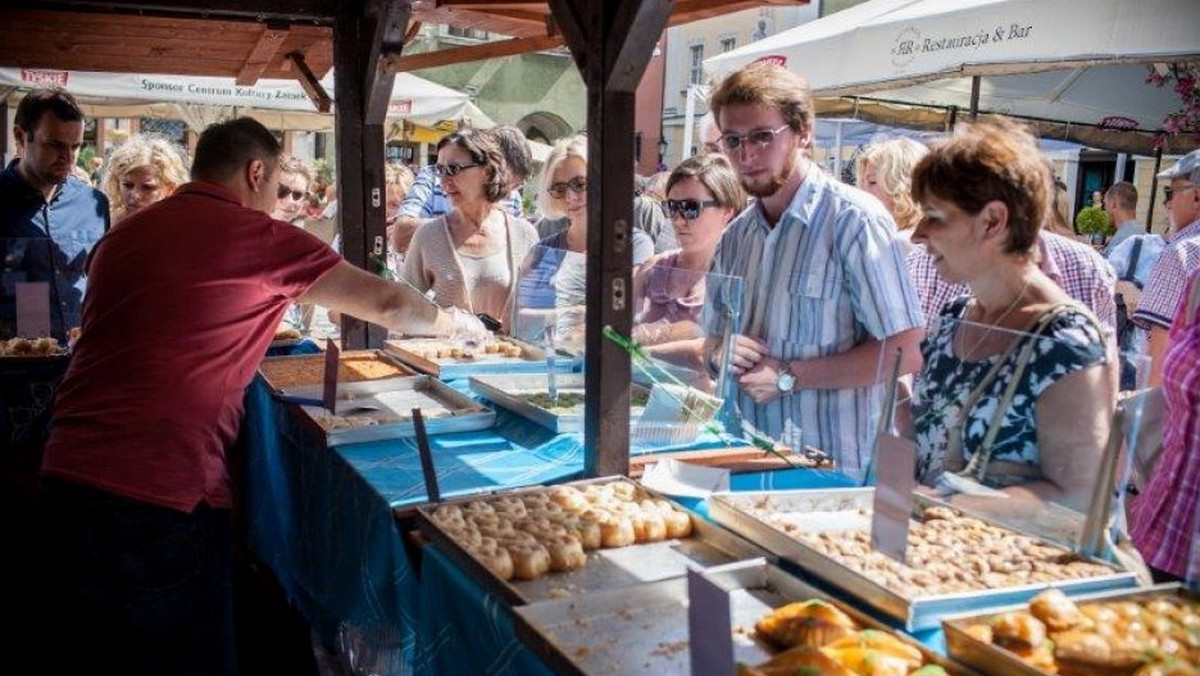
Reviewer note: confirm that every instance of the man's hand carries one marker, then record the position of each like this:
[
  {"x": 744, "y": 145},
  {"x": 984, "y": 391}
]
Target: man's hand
[
  {"x": 761, "y": 381},
  {"x": 747, "y": 352}
]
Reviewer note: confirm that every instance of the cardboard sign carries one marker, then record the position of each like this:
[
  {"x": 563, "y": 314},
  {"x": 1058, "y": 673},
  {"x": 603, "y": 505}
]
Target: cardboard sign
[
  {"x": 709, "y": 620},
  {"x": 331, "y": 376},
  {"x": 33, "y": 309},
  {"x": 896, "y": 463}
]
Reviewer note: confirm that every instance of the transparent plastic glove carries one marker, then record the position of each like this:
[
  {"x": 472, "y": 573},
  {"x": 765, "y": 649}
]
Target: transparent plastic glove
[
  {"x": 467, "y": 326},
  {"x": 651, "y": 333}
]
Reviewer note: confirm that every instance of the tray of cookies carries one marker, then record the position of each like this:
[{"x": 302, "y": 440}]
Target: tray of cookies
[
  {"x": 956, "y": 563},
  {"x": 778, "y": 625},
  {"x": 584, "y": 537},
  {"x": 529, "y": 396},
  {"x": 1151, "y": 631},
  {"x": 450, "y": 359},
  {"x": 35, "y": 349},
  {"x": 382, "y": 409},
  {"x": 285, "y": 374}
]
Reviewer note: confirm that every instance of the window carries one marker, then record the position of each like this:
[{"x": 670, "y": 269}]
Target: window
[
  {"x": 727, "y": 44},
  {"x": 697, "y": 72}
]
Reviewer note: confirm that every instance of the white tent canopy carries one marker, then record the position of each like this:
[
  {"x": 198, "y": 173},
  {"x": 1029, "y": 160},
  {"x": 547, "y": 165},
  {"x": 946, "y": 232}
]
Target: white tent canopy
[
  {"x": 413, "y": 98},
  {"x": 1072, "y": 61}
]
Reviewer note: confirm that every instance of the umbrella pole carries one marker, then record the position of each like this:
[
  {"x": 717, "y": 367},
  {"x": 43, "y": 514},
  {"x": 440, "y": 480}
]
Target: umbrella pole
[
  {"x": 974, "y": 97},
  {"x": 1154, "y": 188}
]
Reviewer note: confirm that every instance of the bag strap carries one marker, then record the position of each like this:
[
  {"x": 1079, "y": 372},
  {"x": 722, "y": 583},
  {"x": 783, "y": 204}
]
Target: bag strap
[{"x": 1134, "y": 256}]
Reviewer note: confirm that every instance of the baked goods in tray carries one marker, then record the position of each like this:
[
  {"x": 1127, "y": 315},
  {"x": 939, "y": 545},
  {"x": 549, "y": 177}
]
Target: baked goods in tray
[
  {"x": 31, "y": 347},
  {"x": 444, "y": 350},
  {"x": 290, "y": 372},
  {"x": 818, "y": 638},
  {"x": 551, "y": 530},
  {"x": 571, "y": 402},
  {"x": 1152, "y": 635},
  {"x": 947, "y": 553}
]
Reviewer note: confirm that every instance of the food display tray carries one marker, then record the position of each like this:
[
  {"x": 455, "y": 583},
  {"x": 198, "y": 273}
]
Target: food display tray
[
  {"x": 971, "y": 651},
  {"x": 444, "y": 409},
  {"x": 606, "y": 569},
  {"x": 644, "y": 629},
  {"x": 507, "y": 391},
  {"x": 838, "y": 510},
  {"x": 314, "y": 366},
  {"x": 532, "y": 359}
]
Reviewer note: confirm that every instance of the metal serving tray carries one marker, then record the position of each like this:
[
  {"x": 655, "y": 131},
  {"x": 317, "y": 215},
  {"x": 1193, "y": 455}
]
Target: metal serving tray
[
  {"x": 315, "y": 363},
  {"x": 838, "y": 510},
  {"x": 532, "y": 359},
  {"x": 444, "y": 408},
  {"x": 644, "y": 629},
  {"x": 506, "y": 391},
  {"x": 606, "y": 569},
  {"x": 999, "y": 662}
]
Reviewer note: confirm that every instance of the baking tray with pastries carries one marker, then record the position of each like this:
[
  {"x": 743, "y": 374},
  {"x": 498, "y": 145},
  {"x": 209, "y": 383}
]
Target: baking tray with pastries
[
  {"x": 551, "y": 542},
  {"x": 778, "y": 624},
  {"x": 287, "y": 373},
  {"x": 955, "y": 562},
  {"x": 451, "y": 358},
  {"x": 286, "y": 337},
  {"x": 31, "y": 348},
  {"x": 1151, "y": 632}
]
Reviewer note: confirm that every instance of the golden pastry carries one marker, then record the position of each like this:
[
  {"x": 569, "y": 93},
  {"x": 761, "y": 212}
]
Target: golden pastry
[
  {"x": 801, "y": 660},
  {"x": 1018, "y": 630},
  {"x": 1055, "y": 610},
  {"x": 569, "y": 497},
  {"x": 616, "y": 530},
  {"x": 812, "y": 623},
  {"x": 881, "y": 641},
  {"x": 494, "y": 557},
  {"x": 867, "y": 662},
  {"x": 679, "y": 524},
  {"x": 566, "y": 552},
  {"x": 530, "y": 559}
]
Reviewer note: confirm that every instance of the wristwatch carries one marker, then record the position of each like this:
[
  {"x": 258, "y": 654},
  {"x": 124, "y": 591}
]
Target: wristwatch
[{"x": 786, "y": 382}]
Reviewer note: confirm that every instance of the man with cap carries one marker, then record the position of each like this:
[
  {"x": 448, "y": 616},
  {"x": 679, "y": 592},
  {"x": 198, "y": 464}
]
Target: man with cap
[{"x": 1178, "y": 260}]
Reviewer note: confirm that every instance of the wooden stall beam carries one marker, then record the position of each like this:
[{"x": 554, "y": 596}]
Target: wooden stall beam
[
  {"x": 253, "y": 10},
  {"x": 489, "y": 50},
  {"x": 273, "y": 36},
  {"x": 310, "y": 83},
  {"x": 390, "y": 24}
]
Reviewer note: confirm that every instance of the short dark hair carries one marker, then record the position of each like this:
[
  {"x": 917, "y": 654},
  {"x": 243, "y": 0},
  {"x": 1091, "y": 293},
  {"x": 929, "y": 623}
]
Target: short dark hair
[
  {"x": 225, "y": 148},
  {"x": 516, "y": 151},
  {"x": 485, "y": 150},
  {"x": 1124, "y": 194},
  {"x": 37, "y": 102}
]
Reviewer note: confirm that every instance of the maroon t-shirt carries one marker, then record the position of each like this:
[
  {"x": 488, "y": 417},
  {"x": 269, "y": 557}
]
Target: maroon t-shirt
[{"x": 183, "y": 300}]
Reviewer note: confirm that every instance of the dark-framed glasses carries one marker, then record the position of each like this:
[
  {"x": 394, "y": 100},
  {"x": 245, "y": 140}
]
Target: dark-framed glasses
[
  {"x": 453, "y": 169},
  {"x": 1169, "y": 193},
  {"x": 285, "y": 191},
  {"x": 688, "y": 209},
  {"x": 757, "y": 139},
  {"x": 577, "y": 185}
]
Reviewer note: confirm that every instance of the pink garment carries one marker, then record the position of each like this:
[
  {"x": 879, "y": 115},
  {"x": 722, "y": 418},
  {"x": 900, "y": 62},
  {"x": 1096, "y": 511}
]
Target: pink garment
[
  {"x": 671, "y": 294},
  {"x": 1163, "y": 519}
]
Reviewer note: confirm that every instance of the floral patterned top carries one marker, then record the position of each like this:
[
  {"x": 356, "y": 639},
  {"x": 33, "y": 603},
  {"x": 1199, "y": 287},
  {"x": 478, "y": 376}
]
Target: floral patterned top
[{"x": 1070, "y": 342}]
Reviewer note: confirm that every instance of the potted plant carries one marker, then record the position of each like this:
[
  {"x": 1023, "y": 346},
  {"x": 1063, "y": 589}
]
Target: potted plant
[{"x": 1092, "y": 221}]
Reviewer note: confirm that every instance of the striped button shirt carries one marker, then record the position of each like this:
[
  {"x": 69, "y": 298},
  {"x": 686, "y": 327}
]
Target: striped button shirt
[
  {"x": 1079, "y": 269},
  {"x": 1179, "y": 259},
  {"x": 827, "y": 277}
]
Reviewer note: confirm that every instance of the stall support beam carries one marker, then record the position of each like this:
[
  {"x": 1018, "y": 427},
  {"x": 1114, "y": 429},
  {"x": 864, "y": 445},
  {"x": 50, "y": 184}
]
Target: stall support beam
[
  {"x": 360, "y": 141},
  {"x": 611, "y": 43}
]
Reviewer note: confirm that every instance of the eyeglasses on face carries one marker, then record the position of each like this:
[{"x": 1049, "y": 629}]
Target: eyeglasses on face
[
  {"x": 285, "y": 191},
  {"x": 577, "y": 185},
  {"x": 688, "y": 209},
  {"x": 453, "y": 169},
  {"x": 1169, "y": 192},
  {"x": 757, "y": 139}
]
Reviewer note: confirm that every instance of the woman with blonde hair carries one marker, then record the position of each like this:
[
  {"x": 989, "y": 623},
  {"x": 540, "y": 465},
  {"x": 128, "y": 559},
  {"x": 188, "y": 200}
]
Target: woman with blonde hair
[
  {"x": 885, "y": 170},
  {"x": 142, "y": 171}
]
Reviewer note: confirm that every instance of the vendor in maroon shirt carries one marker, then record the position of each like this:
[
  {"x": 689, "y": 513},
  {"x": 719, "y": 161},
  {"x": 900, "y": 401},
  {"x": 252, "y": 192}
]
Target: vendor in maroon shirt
[{"x": 182, "y": 303}]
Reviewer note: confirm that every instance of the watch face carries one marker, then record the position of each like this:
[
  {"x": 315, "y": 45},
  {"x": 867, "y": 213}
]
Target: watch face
[{"x": 786, "y": 381}]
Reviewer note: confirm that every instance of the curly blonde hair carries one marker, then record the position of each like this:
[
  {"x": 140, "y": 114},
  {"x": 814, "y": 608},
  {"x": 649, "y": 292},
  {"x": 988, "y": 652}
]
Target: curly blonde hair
[
  {"x": 893, "y": 162},
  {"x": 143, "y": 151}
]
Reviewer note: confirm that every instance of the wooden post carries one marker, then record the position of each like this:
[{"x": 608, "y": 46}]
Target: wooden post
[
  {"x": 4, "y": 133},
  {"x": 611, "y": 43},
  {"x": 362, "y": 28}
]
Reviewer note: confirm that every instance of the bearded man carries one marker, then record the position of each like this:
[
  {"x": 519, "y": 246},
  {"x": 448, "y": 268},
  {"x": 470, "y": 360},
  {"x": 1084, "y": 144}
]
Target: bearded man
[{"x": 827, "y": 299}]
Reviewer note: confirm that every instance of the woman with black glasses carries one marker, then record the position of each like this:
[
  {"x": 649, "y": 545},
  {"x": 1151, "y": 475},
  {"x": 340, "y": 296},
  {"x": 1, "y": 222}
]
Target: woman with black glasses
[
  {"x": 703, "y": 195},
  {"x": 469, "y": 256}
]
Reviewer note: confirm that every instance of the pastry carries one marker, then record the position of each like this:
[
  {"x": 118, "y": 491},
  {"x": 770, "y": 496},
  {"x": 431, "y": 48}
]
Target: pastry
[
  {"x": 812, "y": 623},
  {"x": 679, "y": 524},
  {"x": 801, "y": 660},
  {"x": 880, "y": 641},
  {"x": 569, "y": 497},
  {"x": 494, "y": 557},
  {"x": 1055, "y": 610},
  {"x": 566, "y": 552},
  {"x": 616, "y": 530},
  {"x": 530, "y": 559},
  {"x": 1018, "y": 630},
  {"x": 867, "y": 662}
]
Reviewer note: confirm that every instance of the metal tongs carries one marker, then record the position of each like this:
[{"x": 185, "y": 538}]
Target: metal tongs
[{"x": 551, "y": 363}]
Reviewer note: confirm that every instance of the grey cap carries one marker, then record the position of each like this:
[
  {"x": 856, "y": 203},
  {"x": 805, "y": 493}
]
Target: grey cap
[{"x": 1187, "y": 167}]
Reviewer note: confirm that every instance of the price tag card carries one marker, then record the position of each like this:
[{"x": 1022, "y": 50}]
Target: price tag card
[
  {"x": 33, "y": 309},
  {"x": 896, "y": 463},
  {"x": 331, "y": 376},
  {"x": 709, "y": 621}
]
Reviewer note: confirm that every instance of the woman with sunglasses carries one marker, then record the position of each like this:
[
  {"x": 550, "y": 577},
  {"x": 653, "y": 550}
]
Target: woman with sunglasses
[
  {"x": 142, "y": 171},
  {"x": 292, "y": 198},
  {"x": 702, "y": 195},
  {"x": 553, "y": 279},
  {"x": 469, "y": 256}
]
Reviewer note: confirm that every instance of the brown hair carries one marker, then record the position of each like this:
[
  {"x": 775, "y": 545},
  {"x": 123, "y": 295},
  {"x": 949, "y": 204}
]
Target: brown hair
[
  {"x": 485, "y": 149},
  {"x": 769, "y": 85},
  {"x": 715, "y": 173},
  {"x": 990, "y": 160},
  {"x": 1124, "y": 194}
]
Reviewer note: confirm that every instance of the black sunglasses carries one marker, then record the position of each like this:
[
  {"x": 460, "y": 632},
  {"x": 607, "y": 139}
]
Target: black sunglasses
[
  {"x": 453, "y": 169},
  {"x": 577, "y": 185},
  {"x": 284, "y": 191},
  {"x": 689, "y": 209},
  {"x": 1169, "y": 192}
]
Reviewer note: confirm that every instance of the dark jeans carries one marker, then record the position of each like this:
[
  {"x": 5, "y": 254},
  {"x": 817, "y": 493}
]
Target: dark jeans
[{"x": 132, "y": 588}]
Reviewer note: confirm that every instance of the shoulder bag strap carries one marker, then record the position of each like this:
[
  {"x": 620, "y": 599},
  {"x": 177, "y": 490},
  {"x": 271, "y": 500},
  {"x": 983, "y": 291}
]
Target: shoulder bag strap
[{"x": 1134, "y": 256}]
